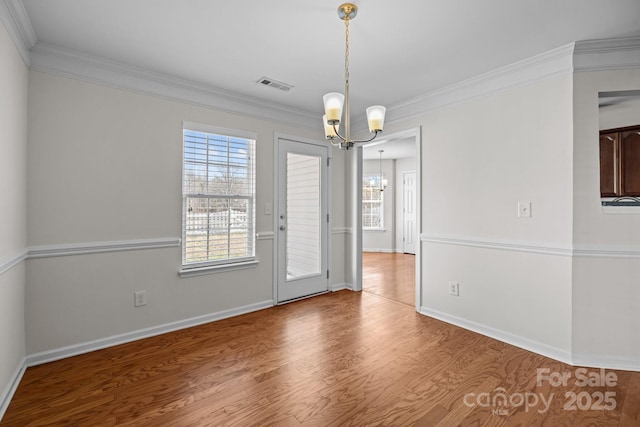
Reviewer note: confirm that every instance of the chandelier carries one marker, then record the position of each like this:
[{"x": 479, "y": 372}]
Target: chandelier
[
  {"x": 334, "y": 102},
  {"x": 382, "y": 182}
]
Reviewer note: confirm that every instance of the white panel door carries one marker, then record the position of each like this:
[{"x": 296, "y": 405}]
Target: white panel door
[
  {"x": 409, "y": 212},
  {"x": 302, "y": 220}
]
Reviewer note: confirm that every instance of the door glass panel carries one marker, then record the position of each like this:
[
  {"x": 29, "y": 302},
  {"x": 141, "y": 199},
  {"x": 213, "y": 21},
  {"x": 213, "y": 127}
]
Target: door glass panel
[{"x": 303, "y": 216}]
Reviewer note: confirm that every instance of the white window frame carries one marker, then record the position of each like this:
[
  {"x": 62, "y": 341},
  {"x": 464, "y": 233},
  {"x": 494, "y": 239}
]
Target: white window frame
[
  {"x": 222, "y": 264},
  {"x": 365, "y": 186}
]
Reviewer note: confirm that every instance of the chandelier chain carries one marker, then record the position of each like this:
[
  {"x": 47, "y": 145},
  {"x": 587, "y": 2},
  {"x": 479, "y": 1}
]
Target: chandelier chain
[{"x": 346, "y": 50}]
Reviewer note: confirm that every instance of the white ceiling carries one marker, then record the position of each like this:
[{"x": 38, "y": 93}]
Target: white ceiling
[{"x": 399, "y": 50}]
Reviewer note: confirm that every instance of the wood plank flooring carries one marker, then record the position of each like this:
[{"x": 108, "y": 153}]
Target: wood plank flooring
[
  {"x": 340, "y": 359},
  {"x": 390, "y": 275}
]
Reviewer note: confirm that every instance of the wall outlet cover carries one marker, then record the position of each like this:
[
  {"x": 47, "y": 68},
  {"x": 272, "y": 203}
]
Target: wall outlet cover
[
  {"x": 524, "y": 209},
  {"x": 454, "y": 289}
]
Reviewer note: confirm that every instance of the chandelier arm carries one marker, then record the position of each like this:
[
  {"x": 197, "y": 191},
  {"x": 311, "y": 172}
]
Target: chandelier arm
[
  {"x": 335, "y": 129},
  {"x": 364, "y": 141}
]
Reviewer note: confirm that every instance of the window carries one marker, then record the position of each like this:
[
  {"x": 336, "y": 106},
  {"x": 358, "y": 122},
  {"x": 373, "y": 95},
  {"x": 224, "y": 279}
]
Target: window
[
  {"x": 218, "y": 196},
  {"x": 620, "y": 162},
  {"x": 372, "y": 203}
]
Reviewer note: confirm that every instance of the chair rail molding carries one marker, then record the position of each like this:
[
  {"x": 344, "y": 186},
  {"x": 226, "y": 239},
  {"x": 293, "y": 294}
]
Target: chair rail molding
[
  {"x": 100, "y": 247},
  {"x": 10, "y": 261}
]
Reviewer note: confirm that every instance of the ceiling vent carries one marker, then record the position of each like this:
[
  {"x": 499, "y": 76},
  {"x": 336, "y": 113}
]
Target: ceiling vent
[{"x": 266, "y": 81}]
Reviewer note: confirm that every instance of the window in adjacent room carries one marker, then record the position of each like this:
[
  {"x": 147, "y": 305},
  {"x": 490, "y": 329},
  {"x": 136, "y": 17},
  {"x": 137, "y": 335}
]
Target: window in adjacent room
[
  {"x": 620, "y": 162},
  {"x": 218, "y": 196},
  {"x": 372, "y": 203}
]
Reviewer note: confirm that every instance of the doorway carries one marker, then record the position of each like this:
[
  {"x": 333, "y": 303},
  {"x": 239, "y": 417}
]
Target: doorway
[
  {"x": 400, "y": 235},
  {"x": 302, "y": 220}
]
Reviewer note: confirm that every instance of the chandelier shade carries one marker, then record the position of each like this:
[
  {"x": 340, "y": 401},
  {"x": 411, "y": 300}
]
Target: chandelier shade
[
  {"x": 375, "y": 118},
  {"x": 333, "y": 103}
]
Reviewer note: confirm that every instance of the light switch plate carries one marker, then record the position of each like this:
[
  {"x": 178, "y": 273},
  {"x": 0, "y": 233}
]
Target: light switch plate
[{"x": 524, "y": 209}]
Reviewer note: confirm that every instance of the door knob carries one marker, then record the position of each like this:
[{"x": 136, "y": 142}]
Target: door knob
[{"x": 282, "y": 227}]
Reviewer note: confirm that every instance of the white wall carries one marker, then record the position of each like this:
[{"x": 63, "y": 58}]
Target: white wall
[
  {"x": 402, "y": 165},
  {"x": 105, "y": 165},
  {"x": 479, "y": 159},
  {"x": 13, "y": 177},
  {"x": 606, "y": 295},
  {"x": 382, "y": 240}
]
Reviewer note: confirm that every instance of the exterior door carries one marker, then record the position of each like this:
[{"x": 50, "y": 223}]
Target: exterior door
[
  {"x": 409, "y": 212},
  {"x": 302, "y": 220}
]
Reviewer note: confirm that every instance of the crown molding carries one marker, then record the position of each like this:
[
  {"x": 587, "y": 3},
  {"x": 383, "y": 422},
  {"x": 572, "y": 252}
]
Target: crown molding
[
  {"x": 607, "y": 54},
  {"x": 548, "y": 64},
  {"x": 15, "y": 19},
  {"x": 77, "y": 65}
]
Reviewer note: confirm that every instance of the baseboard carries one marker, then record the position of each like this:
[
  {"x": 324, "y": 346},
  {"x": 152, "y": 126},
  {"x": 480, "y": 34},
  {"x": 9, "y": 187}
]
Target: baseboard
[
  {"x": 341, "y": 286},
  {"x": 509, "y": 338},
  {"x": 76, "y": 349},
  {"x": 386, "y": 251},
  {"x": 607, "y": 362},
  {"x": 9, "y": 391}
]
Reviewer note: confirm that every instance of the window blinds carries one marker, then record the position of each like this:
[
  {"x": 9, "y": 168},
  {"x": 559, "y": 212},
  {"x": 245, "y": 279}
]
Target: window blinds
[{"x": 218, "y": 195}]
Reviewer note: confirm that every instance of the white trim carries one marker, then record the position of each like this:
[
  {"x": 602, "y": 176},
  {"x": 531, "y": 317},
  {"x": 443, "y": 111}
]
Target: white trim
[
  {"x": 16, "y": 21},
  {"x": 607, "y": 362},
  {"x": 621, "y": 210},
  {"x": 535, "y": 247},
  {"x": 219, "y": 268},
  {"x": 265, "y": 235},
  {"x": 101, "y": 343},
  {"x": 538, "y": 67},
  {"x": 505, "y": 245},
  {"x": 77, "y": 65},
  {"x": 617, "y": 252},
  {"x": 589, "y": 55},
  {"x": 218, "y": 130},
  {"x": 340, "y": 287},
  {"x": 507, "y": 337},
  {"x": 341, "y": 230},
  {"x": 386, "y": 251},
  {"x": 10, "y": 261},
  {"x": 12, "y": 386},
  {"x": 607, "y": 54},
  {"x": 101, "y": 247}
]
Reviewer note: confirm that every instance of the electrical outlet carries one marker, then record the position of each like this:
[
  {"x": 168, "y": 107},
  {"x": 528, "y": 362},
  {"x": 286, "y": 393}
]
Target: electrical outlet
[
  {"x": 524, "y": 209},
  {"x": 139, "y": 298},
  {"x": 454, "y": 289}
]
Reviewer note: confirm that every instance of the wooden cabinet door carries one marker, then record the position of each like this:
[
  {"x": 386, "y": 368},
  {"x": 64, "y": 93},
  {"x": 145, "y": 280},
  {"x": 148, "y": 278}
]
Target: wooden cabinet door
[
  {"x": 630, "y": 150},
  {"x": 608, "y": 165}
]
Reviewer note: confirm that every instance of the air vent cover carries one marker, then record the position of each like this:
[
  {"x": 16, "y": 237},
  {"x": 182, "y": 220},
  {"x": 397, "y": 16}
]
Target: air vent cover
[{"x": 266, "y": 81}]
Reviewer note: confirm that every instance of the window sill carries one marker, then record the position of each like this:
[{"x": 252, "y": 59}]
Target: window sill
[
  {"x": 210, "y": 269},
  {"x": 621, "y": 210}
]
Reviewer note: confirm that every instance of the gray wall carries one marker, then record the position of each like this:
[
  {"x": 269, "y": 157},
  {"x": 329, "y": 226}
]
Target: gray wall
[
  {"x": 105, "y": 166},
  {"x": 479, "y": 159},
  {"x": 13, "y": 183},
  {"x": 606, "y": 291}
]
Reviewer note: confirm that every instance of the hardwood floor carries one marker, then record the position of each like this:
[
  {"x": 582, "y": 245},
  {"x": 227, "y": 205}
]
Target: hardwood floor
[
  {"x": 339, "y": 359},
  {"x": 390, "y": 275}
]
